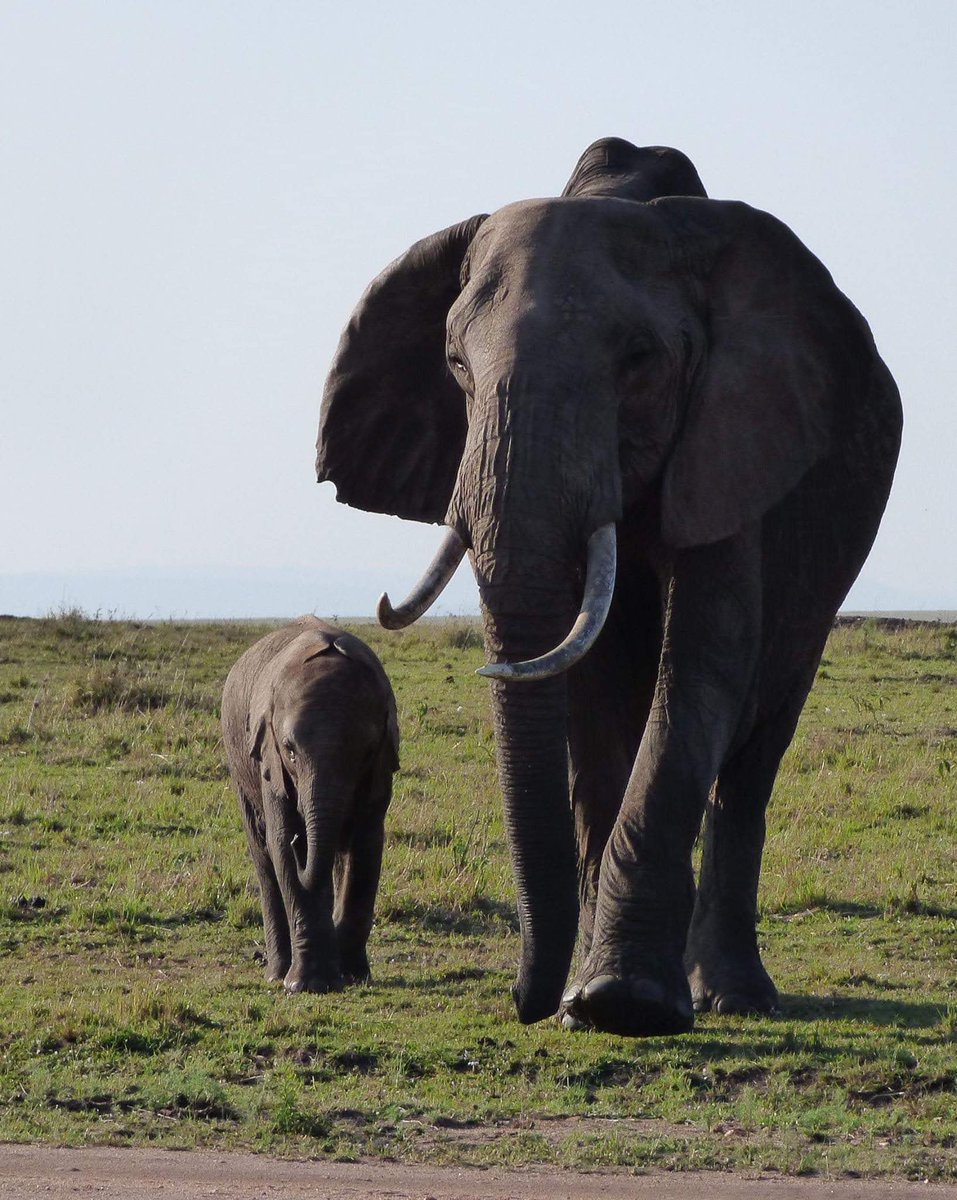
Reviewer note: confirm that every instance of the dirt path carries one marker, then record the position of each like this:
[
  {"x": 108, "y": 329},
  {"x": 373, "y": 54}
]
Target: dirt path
[{"x": 115, "y": 1174}]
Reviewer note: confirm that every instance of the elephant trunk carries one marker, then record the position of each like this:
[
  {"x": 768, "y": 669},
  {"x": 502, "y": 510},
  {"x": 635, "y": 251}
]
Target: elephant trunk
[
  {"x": 321, "y": 806},
  {"x": 533, "y": 487},
  {"x": 530, "y": 727},
  {"x": 596, "y": 602}
]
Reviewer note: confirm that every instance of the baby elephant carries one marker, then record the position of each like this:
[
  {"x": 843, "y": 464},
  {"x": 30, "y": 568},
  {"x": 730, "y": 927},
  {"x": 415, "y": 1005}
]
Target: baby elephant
[{"x": 312, "y": 739}]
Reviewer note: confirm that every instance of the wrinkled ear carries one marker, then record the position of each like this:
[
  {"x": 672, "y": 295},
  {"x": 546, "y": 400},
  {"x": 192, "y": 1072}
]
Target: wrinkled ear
[
  {"x": 614, "y": 167},
  {"x": 786, "y": 353},
  {"x": 392, "y": 424}
]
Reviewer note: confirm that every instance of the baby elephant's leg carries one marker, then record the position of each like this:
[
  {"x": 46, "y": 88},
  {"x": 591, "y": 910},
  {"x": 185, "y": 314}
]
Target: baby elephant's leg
[
  {"x": 314, "y": 964},
  {"x": 357, "y": 881},
  {"x": 275, "y": 925}
]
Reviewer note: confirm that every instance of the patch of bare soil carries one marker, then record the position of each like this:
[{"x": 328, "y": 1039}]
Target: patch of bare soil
[
  {"x": 119, "y": 1174},
  {"x": 469, "y": 1135}
]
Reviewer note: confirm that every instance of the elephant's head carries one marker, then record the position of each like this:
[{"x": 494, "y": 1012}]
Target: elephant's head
[{"x": 530, "y": 377}]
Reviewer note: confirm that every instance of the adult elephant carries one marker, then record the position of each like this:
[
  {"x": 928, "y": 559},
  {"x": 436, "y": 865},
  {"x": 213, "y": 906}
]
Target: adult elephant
[{"x": 629, "y": 371}]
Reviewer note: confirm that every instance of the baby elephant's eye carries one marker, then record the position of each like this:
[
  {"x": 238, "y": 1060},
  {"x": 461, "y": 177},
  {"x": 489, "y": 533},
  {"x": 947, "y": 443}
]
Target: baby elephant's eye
[{"x": 289, "y": 747}]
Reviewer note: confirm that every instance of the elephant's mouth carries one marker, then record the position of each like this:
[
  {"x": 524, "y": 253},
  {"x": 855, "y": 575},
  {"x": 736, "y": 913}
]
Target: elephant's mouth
[{"x": 596, "y": 601}]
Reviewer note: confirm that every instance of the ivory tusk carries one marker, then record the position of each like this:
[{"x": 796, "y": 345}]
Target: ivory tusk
[
  {"x": 599, "y": 588},
  {"x": 425, "y": 593}
]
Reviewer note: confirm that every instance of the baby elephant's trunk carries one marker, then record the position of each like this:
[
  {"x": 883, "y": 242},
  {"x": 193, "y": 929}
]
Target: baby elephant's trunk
[{"x": 321, "y": 806}]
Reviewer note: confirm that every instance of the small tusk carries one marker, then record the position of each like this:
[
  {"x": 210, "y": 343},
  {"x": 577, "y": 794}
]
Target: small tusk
[
  {"x": 425, "y": 593},
  {"x": 599, "y": 589}
]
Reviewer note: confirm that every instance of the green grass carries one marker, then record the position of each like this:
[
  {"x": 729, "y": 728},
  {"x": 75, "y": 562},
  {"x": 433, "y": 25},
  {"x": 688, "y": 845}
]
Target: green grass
[{"x": 133, "y": 1008}]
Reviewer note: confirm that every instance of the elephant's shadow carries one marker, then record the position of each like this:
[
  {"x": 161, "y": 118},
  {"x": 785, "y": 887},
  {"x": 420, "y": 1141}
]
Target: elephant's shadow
[
  {"x": 485, "y": 917},
  {"x": 863, "y": 1010},
  {"x": 714, "y": 1045},
  {"x": 855, "y": 908}
]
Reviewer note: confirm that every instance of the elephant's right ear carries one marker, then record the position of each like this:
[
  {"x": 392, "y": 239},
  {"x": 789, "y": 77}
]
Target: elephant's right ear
[{"x": 392, "y": 424}]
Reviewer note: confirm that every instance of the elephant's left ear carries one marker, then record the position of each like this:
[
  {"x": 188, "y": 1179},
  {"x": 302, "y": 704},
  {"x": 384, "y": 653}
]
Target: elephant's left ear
[
  {"x": 787, "y": 358},
  {"x": 392, "y": 424}
]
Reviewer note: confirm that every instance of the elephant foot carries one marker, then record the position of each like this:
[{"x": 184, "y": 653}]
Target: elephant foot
[
  {"x": 276, "y": 969},
  {"x": 355, "y": 967},
  {"x": 732, "y": 987},
  {"x": 311, "y": 981},
  {"x": 630, "y": 1007}
]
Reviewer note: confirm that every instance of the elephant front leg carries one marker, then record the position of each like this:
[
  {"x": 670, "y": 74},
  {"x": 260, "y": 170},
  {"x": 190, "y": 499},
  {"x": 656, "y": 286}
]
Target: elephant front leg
[
  {"x": 315, "y": 965},
  {"x": 314, "y": 956},
  {"x": 633, "y": 980},
  {"x": 609, "y": 696},
  {"x": 275, "y": 925},
  {"x": 357, "y": 881}
]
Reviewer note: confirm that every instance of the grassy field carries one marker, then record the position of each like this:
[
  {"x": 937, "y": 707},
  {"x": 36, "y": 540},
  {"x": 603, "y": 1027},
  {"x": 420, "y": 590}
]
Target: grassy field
[{"x": 133, "y": 1007}]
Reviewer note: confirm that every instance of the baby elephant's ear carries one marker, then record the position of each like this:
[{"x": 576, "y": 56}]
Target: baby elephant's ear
[
  {"x": 392, "y": 423},
  {"x": 356, "y": 649},
  {"x": 787, "y": 362}
]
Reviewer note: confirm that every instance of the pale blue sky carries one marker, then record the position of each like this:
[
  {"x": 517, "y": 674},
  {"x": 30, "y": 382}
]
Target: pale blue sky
[{"x": 195, "y": 194}]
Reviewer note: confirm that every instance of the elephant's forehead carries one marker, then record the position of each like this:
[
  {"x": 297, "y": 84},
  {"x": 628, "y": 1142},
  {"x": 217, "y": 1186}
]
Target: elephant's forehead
[{"x": 588, "y": 232}]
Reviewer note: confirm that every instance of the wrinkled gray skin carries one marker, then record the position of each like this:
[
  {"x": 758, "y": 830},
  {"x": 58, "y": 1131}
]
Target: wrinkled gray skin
[
  {"x": 686, "y": 369},
  {"x": 312, "y": 741}
]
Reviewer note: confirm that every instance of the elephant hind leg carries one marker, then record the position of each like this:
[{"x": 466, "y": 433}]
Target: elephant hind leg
[{"x": 722, "y": 958}]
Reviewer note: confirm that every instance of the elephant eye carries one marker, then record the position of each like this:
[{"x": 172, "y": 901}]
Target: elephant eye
[
  {"x": 457, "y": 363},
  {"x": 635, "y": 363},
  {"x": 637, "y": 356}
]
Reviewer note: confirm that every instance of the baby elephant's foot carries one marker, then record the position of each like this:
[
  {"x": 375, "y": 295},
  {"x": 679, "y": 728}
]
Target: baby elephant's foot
[
  {"x": 630, "y": 1007},
  {"x": 277, "y": 967},
  {"x": 732, "y": 985}
]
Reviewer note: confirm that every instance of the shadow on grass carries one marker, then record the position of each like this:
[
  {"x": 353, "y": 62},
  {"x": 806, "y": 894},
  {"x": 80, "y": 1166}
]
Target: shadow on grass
[
  {"x": 851, "y": 908},
  {"x": 484, "y": 916},
  {"x": 450, "y": 983},
  {"x": 863, "y": 1009}
]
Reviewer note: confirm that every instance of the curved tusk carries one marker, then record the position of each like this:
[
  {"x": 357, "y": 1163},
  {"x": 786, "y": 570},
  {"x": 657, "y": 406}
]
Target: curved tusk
[
  {"x": 425, "y": 593},
  {"x": 599, "y": 588}
]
